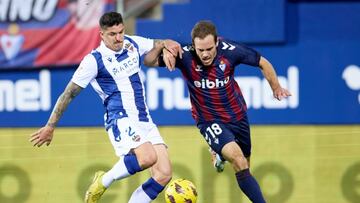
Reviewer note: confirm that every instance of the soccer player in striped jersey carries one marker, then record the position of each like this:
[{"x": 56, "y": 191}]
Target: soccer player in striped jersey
[
  {"x": 113, "y": 70},
  {"x": 218, "y": 105}
]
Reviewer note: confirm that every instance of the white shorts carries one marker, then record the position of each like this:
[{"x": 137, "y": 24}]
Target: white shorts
[{"x": 129, "y": 134}]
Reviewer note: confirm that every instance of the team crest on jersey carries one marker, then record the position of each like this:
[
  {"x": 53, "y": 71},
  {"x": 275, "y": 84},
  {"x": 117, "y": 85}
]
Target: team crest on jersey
[
  {"x": 222, "y": 65},
  {"x": 129, "y": 47},
  {"x": 136, "y": 138}
]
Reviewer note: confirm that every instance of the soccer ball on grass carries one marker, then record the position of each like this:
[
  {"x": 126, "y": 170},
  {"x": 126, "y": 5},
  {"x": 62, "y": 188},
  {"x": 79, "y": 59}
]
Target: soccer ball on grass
[{"x": 181, "y": 191}]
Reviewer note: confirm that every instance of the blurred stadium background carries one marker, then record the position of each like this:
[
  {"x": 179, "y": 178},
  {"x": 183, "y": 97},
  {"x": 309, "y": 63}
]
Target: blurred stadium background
[{"x": 305, "y": 148}]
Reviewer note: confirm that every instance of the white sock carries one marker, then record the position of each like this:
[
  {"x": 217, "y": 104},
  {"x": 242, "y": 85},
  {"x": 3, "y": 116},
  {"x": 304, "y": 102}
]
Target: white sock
[
  {"x": 139, "y": 196},
  {"x": 118, "y": 171}
]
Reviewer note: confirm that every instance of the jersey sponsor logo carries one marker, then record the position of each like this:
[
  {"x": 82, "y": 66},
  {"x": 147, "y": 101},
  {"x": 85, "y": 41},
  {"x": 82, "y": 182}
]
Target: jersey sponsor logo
[
  {"x": 208, "y": 84},
  {"x": 351, "y": 75},
  {"x": 129, "y": 66}
]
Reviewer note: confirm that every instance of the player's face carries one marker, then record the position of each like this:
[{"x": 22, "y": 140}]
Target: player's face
[
  {"x": 206, "y": 49},
  {"x": 113, "y": 37}
]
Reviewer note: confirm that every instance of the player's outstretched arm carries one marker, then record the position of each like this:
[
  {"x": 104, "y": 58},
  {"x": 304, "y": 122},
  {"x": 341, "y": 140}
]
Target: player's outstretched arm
[
  {"x": 170, "y": 50},
  {"x": 45, "y": 134},
  {"x": 169, "y": 60},
  {"x": 270, "y": 75}
]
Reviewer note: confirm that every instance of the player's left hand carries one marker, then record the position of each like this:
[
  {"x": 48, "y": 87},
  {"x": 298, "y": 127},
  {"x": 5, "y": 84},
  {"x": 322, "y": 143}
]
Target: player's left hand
[
  {"x": 280, "y": 93},
  {"x": 42, "y": 136},
  {"x": 173, "y": 47},
  {"x": 169, "y": 60}
]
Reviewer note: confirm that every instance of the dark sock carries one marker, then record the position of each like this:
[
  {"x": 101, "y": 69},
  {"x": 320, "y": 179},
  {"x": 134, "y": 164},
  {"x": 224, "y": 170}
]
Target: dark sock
[
  {"x": 132, "y": 164},
  {"x": 152, "y": 188},
  {"x": 249, "y": 186}
]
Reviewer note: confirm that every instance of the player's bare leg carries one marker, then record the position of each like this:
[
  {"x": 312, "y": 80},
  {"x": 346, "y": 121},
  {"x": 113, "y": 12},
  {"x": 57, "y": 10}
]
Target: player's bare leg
[
  {"x": 161, "y": 173},
  {"x": 232, "y": 153}
]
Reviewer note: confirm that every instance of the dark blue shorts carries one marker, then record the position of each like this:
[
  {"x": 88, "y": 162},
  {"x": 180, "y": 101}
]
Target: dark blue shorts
[{"x": 217, "y": 134}]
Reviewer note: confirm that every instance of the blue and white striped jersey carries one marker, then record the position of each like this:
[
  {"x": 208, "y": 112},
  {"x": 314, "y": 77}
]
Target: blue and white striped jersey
[{"x": 115, "y": 76}]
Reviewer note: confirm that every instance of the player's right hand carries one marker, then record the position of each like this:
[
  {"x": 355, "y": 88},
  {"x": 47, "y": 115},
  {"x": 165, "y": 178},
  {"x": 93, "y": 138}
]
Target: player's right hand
[{"x": 43, "y": 135}]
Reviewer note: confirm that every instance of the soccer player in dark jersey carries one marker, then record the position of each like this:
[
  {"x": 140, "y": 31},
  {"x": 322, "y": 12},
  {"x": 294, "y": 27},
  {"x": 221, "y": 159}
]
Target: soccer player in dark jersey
[{"x": 218, "y": 105}]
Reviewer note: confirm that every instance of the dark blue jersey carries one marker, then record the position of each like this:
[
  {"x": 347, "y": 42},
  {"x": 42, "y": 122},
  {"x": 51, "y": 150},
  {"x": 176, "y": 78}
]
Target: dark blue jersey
[{"x": 214, "y": 93}]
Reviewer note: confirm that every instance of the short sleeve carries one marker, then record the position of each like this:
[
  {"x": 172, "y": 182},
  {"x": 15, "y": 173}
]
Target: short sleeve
[
  {"x": 86, "y": 71},
  {"x": 241, "y": 53},
  {"x": 144, "y": 44}
]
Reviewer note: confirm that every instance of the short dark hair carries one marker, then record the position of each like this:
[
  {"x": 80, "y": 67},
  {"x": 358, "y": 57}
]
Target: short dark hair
[
  {"x": 110, "y": 19},
  {"x": 202, "y": 29}
]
